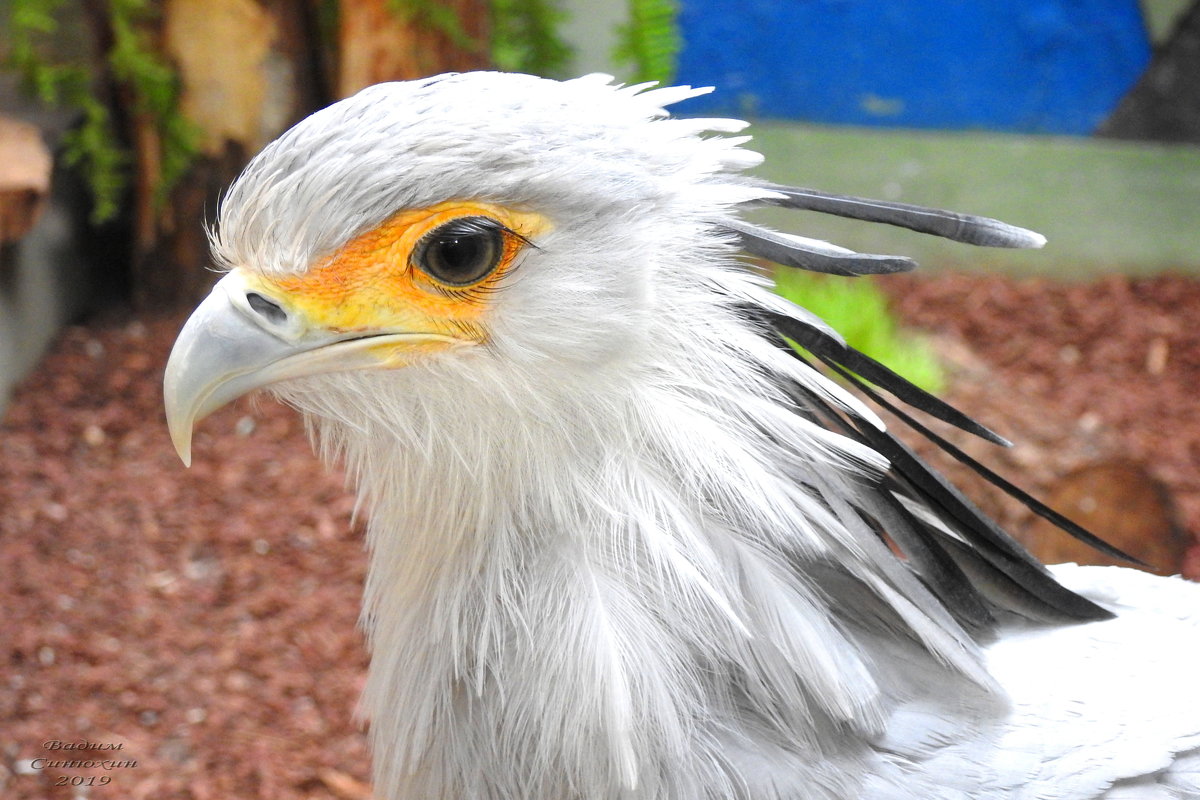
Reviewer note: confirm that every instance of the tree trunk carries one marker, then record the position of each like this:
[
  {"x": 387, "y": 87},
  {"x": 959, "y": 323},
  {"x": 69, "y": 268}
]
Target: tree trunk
[
  {"x": 376, "y": 43},
  {"x": 247, "y": 73},
  {"x": 1164, "y": 105},
  {"x": 249, "y": 70}
]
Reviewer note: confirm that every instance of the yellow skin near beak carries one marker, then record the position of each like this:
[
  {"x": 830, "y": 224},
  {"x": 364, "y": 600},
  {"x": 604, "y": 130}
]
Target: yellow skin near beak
[{"x": 366, "y": 307}]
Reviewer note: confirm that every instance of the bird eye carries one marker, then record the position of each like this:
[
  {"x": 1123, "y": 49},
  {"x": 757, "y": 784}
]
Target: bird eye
[{"x": 461, "y": 252}]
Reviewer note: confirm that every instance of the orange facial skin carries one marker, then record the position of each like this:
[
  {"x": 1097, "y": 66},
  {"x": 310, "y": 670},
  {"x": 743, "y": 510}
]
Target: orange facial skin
[{"x": 371, "y": 284}]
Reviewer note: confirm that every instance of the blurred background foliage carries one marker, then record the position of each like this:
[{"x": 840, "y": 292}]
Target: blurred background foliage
[
  {"x": 524, "y": 37},
  {"x": 168, "y": 99},
  {"x": 858, "y": 309}
]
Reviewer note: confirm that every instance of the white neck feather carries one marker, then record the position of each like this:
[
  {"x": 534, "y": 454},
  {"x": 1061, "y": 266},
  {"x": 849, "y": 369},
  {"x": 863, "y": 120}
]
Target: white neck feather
[{"x": 598, "y": 573}]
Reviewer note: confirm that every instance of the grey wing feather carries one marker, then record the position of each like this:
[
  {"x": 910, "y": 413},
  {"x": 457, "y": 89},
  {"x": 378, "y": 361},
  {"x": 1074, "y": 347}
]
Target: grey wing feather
[
  {"x": 966, "y": 228},
  {"x": 813, "y": 255}
]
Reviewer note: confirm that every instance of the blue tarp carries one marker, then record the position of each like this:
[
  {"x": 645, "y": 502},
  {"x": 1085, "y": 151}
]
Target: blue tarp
[{"x": 1041, "y": 66}]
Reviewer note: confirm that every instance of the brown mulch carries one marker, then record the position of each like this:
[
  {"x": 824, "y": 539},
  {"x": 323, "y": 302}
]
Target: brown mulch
[
  {"x": 205, "y": 619},
  {"x": 1095, "y": 383}
]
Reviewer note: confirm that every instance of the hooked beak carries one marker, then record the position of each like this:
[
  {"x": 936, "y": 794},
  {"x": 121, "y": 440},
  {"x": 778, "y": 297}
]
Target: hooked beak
[{"x": 241, "y": 338}]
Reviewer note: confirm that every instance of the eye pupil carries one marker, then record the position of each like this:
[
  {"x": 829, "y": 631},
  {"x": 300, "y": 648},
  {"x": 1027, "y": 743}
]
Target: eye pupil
[{"x": 461, "y": 252}]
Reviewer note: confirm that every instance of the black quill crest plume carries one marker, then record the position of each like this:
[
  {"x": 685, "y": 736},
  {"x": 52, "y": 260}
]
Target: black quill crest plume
[{"x": 957, "y": 550}]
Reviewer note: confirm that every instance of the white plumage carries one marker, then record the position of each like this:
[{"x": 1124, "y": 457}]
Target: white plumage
[{"x": 623, "y": 545}]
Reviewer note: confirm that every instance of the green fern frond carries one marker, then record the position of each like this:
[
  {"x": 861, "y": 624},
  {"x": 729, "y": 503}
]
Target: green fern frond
[
  {"x": 525, "y": 37},
  {"x": 437, "y": 16},
  {"x": 93, "y": 147},
  {"x": 156, "y": 89},
  {"x": 650, "y": 40}
]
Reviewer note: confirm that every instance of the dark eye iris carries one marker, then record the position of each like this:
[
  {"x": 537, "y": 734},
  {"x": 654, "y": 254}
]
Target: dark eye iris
[{"x": 461, "y": 252}]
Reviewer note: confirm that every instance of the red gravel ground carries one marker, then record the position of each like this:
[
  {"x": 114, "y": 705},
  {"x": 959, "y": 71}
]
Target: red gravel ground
[
  {"x": 1085, "y": 379},
  {"x": 204, "y": 620}
]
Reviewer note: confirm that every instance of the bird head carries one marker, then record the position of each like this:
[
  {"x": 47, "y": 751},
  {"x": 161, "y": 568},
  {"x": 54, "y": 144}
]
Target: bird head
[{"x": 513, "y": 226}]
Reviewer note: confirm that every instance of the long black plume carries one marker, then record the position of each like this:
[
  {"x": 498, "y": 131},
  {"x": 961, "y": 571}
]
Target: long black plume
[
  {"x": 972, "y": 557},
  {"x": 834, "y": 352},
  {"x": 997, "y": 480},
  {"x": 985, "y": 538}
]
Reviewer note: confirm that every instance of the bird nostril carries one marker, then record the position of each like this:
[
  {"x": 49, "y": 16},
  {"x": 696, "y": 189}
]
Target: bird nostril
[{"x": 268, "y": 309}]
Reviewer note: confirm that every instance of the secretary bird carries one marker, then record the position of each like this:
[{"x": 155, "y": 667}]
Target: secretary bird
[{"x": 625, "y": 541}]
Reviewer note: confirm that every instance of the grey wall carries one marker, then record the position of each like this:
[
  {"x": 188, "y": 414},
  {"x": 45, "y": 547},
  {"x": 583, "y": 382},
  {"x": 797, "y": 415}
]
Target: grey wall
[{"x": 42, "y": 281}]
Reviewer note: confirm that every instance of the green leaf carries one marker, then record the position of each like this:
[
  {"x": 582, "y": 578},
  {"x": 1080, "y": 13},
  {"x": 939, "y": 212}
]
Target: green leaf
[
  {"x": 525, "y": 37},
  {"x": 438, "y": 17},
  {"x": 858, "y": 309},
  {"x": 93, "y": 148},
  {"x": 650, "y": 40}
]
